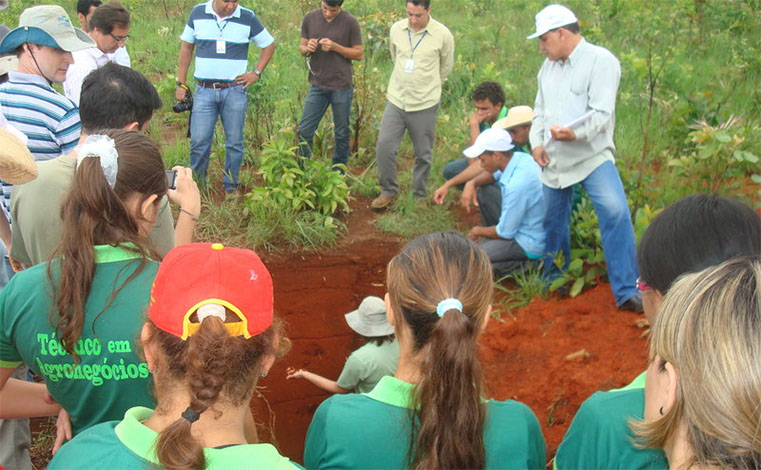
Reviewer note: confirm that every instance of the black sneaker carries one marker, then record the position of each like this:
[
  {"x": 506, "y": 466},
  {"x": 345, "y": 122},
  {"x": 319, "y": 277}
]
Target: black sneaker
[{"x": 633, "y": 304}]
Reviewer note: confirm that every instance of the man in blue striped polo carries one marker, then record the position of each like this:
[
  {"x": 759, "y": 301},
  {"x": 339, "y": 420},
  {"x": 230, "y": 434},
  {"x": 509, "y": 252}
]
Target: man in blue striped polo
[
  {"x": 43, "y": 43},
  {"x": 221, "y": 31}
]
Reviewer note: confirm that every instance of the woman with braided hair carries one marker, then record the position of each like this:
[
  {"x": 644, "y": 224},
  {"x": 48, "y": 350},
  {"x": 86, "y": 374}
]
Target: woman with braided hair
[
  {"x": 431, "y": 414},
  {"x": 206, "y": 344}
]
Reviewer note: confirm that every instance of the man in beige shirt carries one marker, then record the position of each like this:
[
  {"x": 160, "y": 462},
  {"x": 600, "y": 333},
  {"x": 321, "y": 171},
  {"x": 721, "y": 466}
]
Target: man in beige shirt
[{"x": 423, "y": 53}]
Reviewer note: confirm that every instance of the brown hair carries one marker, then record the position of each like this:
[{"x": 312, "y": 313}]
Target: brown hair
[
  {"x": 709, "y": 329},
  {"x": 95, "y": 214},
  {"x": 216, "y": 367},
  {"x": 107, "y": 16},
  {"x": 447, "y": 412}
]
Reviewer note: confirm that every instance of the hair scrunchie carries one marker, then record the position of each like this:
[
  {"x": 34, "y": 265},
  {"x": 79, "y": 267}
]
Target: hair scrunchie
[
  {"x": 448, "y": 304},
  {"x": 191, "y": 415},
  {"x": 103, "y": 147}
]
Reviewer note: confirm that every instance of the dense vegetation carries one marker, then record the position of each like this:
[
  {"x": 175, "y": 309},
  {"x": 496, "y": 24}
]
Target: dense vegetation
[{"x": 687, "y": 118}]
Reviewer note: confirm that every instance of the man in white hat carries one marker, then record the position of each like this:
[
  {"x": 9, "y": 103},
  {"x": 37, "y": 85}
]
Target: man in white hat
[
  {"x": 488, "y": 197},
  {"x": 43, "y": 43},
  {"x": 572, "y": 140},
  {"x": 513, "y": 234}
]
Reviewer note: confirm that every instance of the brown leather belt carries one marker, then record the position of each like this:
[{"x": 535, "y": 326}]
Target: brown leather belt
[{"x": 217, "y": 85}]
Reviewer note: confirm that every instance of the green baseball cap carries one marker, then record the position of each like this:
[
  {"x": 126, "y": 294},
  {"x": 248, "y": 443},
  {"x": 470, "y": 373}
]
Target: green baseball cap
[{"x": 46, "y": 25}]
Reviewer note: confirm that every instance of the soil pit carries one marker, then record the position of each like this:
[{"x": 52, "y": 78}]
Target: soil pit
[{"x": 524, "y": 354}]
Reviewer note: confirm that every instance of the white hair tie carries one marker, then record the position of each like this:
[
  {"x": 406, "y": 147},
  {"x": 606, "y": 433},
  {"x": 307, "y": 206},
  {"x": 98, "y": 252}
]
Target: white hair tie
[{"x": 103, "y": 147}]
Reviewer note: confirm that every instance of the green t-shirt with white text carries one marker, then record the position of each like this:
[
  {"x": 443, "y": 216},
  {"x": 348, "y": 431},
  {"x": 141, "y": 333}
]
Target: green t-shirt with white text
[{"x": 110, "y": 377}]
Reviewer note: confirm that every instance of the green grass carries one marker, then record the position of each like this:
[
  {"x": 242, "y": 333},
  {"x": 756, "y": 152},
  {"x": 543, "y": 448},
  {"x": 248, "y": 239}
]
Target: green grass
[{"x": 523, "y": 286}]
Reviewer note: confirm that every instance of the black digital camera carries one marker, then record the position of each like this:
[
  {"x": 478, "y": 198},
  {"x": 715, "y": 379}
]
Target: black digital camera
[{"x": 184, "y": 105}]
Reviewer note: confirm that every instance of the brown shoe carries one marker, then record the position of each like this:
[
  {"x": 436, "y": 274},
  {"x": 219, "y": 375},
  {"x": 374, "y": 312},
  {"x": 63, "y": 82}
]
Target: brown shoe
[{"x": 381, "y": 202}]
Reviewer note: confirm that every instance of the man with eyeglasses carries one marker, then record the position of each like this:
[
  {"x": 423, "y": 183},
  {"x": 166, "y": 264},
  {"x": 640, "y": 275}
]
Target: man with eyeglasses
[
  {"x": 422, "y": 50},
  {"x": 109, "y": 28},
  {"x": 85, "y": 9}
]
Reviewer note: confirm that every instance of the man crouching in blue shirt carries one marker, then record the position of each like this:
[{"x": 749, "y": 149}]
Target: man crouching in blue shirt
[{"x": 518, "y": 235}]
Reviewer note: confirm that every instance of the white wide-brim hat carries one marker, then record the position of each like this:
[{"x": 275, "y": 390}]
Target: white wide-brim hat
[{"x": 370, "y": 318}]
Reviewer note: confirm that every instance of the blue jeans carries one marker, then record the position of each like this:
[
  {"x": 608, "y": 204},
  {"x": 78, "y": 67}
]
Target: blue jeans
[
  {"x": 208, "y": 104},
  {"x": 606, "y": 192},
  {"x": 315, "y": 105},
  {"x": 454, "y": 168}
]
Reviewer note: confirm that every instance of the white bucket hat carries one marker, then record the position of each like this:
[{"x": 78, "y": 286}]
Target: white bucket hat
[
  {"x": 552, "y": 17},
  {"x": 46, "y": 25},
  {"x": 369, "y": 319},
  {"x": 490, "y": 140}
]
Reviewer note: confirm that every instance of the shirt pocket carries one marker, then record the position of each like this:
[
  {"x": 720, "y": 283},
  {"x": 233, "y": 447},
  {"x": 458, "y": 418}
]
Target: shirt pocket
[{"x": 579, "y": 82}]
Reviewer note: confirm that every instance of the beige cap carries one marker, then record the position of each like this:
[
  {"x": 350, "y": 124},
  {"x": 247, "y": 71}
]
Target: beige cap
[
  {"x": 16, "y": 163},
  {"x": 47, "y": 25},
  {"x": 516, "y": 116}
]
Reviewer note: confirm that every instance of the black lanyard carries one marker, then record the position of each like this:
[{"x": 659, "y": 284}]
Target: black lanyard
[{"x": 409, "y": 36}]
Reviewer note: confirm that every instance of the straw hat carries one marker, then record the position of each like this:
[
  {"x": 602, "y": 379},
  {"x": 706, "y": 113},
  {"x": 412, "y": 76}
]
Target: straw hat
[
  {"x": 16, "y": 163},
  {"x": 516, "y": 116}
]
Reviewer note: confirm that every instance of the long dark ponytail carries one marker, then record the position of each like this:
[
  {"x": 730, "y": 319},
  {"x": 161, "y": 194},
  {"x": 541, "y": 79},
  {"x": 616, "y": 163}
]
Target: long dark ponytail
[
  {"x": 93, "y": 213},
  {"x": 447, "y": 414}
]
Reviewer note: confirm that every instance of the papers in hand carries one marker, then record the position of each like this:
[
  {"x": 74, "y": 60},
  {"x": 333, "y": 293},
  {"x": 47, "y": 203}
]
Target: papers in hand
[{"x": 580, "y": 120}]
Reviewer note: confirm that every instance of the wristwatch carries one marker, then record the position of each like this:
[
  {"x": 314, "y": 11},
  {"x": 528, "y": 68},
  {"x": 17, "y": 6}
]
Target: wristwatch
[{"x": 258, "y": 72}]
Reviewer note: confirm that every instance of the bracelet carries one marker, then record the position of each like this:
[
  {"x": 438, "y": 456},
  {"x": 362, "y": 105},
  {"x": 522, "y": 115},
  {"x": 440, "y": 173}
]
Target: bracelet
[{"x": 190, "y": 214}]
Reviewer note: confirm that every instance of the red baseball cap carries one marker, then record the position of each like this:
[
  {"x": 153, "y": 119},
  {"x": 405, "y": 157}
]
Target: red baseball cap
[{"x": 210, "y": 276}]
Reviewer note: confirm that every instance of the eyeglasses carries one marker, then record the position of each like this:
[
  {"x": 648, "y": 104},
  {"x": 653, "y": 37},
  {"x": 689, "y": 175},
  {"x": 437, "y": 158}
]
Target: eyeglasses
[
  {"x": 119, "y": 39},
  {"x": 643, "y": 286}
]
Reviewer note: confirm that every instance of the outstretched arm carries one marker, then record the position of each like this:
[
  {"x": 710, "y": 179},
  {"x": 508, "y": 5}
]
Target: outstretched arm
[{"x": 318, "y": 380}]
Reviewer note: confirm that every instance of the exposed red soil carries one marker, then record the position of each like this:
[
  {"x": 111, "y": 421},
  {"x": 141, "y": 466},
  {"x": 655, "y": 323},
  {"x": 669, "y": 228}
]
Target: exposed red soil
[{"x": 524, "y": 353}]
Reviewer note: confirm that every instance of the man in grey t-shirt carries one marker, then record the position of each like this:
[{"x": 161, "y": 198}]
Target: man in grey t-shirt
[{"x": 330, "y": 40}]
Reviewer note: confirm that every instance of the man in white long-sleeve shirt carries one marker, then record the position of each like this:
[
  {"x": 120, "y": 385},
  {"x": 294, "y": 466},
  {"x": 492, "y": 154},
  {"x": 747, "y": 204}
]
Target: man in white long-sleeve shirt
[
  {"x": 85, "y": 9},
  {"x": 109, "y": 28},
  {"x": 572, "y": 140}
]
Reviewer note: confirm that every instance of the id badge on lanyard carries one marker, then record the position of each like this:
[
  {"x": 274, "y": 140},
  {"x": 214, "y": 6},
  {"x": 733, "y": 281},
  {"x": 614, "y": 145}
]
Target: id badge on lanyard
[
  {"x": 221, "y": 44},
  {"x": 409, "y": 66}
]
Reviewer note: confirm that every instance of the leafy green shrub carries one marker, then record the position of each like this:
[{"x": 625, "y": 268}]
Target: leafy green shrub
[
  {"x": 720, "y": 154},
  {"x": 298, "y": 199}
]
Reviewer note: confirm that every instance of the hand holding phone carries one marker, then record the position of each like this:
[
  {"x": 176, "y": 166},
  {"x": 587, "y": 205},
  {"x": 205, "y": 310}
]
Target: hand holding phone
[{"x": 171, "y": 179}]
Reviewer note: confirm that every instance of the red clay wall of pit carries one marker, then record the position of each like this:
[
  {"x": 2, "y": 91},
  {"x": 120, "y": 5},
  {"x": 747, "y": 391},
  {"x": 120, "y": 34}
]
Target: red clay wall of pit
[{"x": 312, "y": 294}]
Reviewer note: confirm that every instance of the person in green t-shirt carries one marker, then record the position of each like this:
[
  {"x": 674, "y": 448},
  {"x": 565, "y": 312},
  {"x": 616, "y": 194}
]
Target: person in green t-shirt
[
  {"x": 207, "y": 344},
  {"x": 693, "y": 233},
  {"x": 703, "y": 387},
  {"x": 367, "y": 365},
  {"x": 431, "y": 413},
  {"x": 73, "y": 320},
  {"x": 489, "y": 100}
]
